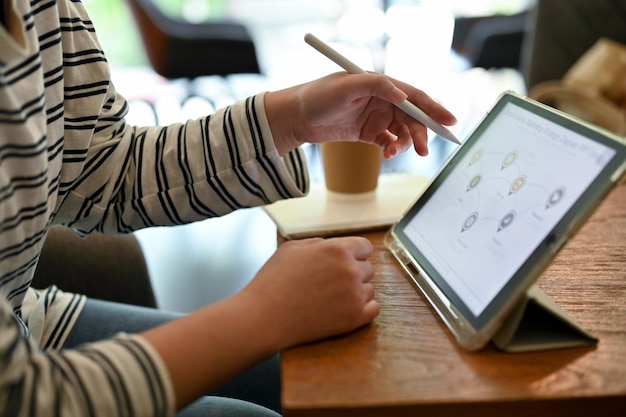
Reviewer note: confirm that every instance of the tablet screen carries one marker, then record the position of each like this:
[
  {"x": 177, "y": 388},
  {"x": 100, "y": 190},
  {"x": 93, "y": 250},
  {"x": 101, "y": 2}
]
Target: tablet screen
[{"x": 498, "y": 200}]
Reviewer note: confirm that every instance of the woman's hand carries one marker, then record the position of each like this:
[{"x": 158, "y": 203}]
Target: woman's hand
[
  {"x": 308, "y": 290},
  {"x": 351, "y": 107},
  {"x": 314, "y": 288}
]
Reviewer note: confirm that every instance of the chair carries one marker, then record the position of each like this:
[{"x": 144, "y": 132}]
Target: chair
[
  {"x": 564, "y": 30},
  {"x": 106, "y": 267},
  {"x": 177, "y": 49},
  {"x": 491, "y": 41}
]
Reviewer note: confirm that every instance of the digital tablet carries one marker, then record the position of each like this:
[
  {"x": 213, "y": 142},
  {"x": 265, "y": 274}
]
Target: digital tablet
[{"x": 499, "y": 209}]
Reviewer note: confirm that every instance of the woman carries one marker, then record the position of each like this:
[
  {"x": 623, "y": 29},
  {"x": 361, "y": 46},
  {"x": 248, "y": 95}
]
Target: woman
[{"x": 67, "y": 156}]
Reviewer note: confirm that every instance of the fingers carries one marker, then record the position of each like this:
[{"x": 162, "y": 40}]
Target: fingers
[
  {"x": 399, "y": 137},
  {"x": 391, "y": 133},
  {"x": 374, "y": 84},
  {"x": 361, "y": 107},
  {"x": 360, "y": 247},
  {"x": 370, "y": 311},
  {"x": 394, "y": 130},
  {"x": 408, "y": 136},
  {"x": 367, "y": 307},
  {"x": 394, "y": 91},
  {"x": 369, "y": 291},
  {"x": 422, "y": 100},
  {"x": 325, "y": 283}
]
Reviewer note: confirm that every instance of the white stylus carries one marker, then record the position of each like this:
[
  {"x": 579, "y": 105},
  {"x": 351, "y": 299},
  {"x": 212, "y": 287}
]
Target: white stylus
[{"x": 406, "y": 106}]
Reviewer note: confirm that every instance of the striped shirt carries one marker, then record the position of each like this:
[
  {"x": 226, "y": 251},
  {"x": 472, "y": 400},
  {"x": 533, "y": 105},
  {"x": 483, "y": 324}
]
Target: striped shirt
[{"x": 68, "y": 157}]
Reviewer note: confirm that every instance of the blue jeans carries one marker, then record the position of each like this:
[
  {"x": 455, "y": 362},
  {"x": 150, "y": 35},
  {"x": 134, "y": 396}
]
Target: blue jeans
[{"x": 254, "y": 393}]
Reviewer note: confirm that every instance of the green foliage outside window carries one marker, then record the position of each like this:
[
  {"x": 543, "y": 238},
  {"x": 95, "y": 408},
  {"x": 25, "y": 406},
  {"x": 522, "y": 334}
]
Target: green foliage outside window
[{"x": 116, "y": 28}]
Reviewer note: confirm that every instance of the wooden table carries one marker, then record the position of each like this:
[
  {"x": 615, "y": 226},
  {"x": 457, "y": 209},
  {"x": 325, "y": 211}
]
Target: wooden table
[{"x": 406, "y": 362}]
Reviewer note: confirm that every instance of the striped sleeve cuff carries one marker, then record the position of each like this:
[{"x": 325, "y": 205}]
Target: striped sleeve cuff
[{"x": 122, "y": 376}]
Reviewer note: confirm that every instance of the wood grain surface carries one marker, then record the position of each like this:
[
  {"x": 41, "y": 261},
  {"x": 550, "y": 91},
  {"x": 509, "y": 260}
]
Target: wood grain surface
[{"x": 407, "y": 363}]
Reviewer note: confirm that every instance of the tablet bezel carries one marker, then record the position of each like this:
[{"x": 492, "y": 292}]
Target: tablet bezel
[{"x": 471, "y": 331}]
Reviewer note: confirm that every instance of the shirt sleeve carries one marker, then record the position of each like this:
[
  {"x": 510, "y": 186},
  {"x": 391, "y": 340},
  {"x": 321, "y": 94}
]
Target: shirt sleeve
[
  {"x": 118, "y": 377},
  {"x": 135, "y": 177}
]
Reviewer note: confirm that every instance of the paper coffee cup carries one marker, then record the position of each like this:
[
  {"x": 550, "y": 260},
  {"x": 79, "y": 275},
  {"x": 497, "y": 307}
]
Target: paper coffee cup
[{"x": 351, "y": 167}]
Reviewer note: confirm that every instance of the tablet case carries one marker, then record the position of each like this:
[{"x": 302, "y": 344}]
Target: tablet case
[
  {"x": 536, "y": 323},
  {"x": 539, "y": 323}
]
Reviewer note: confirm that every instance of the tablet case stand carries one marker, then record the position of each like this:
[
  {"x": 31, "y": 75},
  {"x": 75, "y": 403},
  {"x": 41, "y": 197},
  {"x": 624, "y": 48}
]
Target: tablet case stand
[
  {"x": 536, "y": 323},
  {"x": 539, "y": 323}
]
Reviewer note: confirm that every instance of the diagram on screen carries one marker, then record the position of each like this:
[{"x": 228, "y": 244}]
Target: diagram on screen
[
  {"x": 496, "y": 177},
  {"x": 501, "y": 199}
]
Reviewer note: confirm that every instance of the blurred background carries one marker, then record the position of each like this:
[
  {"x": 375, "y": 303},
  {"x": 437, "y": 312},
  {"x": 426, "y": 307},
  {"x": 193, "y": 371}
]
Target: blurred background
[
  {"x": 433, "y": 44},
  {"x": 368, "y": 21}
]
